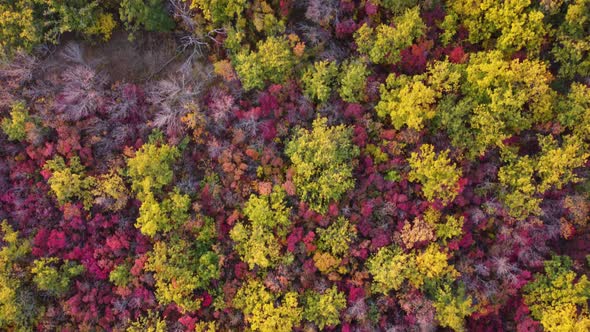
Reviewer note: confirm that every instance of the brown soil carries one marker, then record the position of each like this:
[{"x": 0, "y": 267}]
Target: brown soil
[{"x": 149, "y": 56}]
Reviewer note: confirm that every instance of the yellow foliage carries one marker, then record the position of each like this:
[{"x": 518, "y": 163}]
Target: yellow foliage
[
  {"x": 104, "y": 26},
  {"x": 438, "y": 176},
  {"x": 264, "y": 312},
  {"x": 325, "y": 262}
]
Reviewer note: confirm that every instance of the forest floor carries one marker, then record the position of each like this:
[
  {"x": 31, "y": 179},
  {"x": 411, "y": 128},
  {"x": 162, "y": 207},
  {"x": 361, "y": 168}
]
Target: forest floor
[{"x": 149, "y": 56}]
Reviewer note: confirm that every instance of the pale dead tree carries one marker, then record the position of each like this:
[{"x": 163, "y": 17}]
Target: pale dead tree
[
  {"x": 81, "y": 94},
  {"x": 175, "y": 97},
  {"x": 73, "y": 52},
  {"x": 197, "y": 46},
  {"x": 181, "y": 11},
  {"x": 14, "y": 74},
  {"x": 19, "y": 69},
  {"x": 193, "y": 42}
]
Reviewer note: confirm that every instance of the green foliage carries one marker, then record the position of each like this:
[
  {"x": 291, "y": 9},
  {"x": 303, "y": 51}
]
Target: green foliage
[
  {"x": 452, "y": 227},
  {"x": 151, "y": 167},
  {"x": 52, "y": 279},
  {"x": 206, "y": 326},
  {"x": 501, "y": 98},
  {"x": 69, "y": 182},
  {"x": 163, "y": 217},
  {"x": 407, "y": 101},
  {"x": 383, "y": 44},
  {"x": 322, "y": 159},
  {"x": 574, "y": 110},
  {"x": 554, "y": 167},
  {"x": 452, "y": 306},
  {"x": 572, "y": 47},
  {"x": 318, "y": 80},
  {"x": 273, "y": 62},
  {"x": 432, "y": 264},
  {"x": 438, "y": 176},
  {"x": 220, "y": 12},
  {"x": 152, "y": 322},
  {"x": 517, "y": 178},
  {"x": 150, "y": 170},
  {"x": 324, "y": 309},
  {"x": 509, "y": 26},
  {"x": 13, "y": 312},
  {"x": 258, "y": 241},
  {"x": 120, "y": 275},
  {"x": 507, "y": 89},
  {"x": 15, "y": 126},
  {"x": 389, "y": 269},
  {"x": 83, "y": 16},
  {"x": 412, "y": 100},
  {"x": 337, "y": 237},
  {"x": 353, "y": 79},
  {"x": 26, "y": 23},
  {"x": 147, "y": 14},
  {"x": 18, "y": 27},
  {"x": 558, "y": 298},
  {"x": 180, "y": 268},
  {"x": 556, "y": 164},
  {"x": 396, "y": 6},
  {"x": 263, "y": 310},
  {"x": 111, "y": 191}
]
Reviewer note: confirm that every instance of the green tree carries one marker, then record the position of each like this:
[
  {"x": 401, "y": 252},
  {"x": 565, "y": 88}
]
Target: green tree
[
  {"x": 501, "y": 98},
  {"x": 389, "y": 268},
  {"x": 120, "y": 275},
  {"x": 266, "y": 311},
  {"x": 572, "y": 46},
  {"x": 559, "y": 298},
  {"x": 84, "y": 16},
  {"x": 53, "y": 279},
  {"x": 407, "y": 101},
  {"x": 273, "y": 62},
  {"x": 14, "y": 313},
  {"x": 353, "y": 80},
  {"x": 556, "y": 163},
  {"x": 412, "y": 100},
  {"x": 111, "y": 191},
  {"x": 258, "y": 241},
  {"x": 574, "y": 110},
  {"x": 70, "y": 182},
  {"x": 19, "y": 28},
  {"x": 324, "y": 309},
  {"x": 438, "y": 176},
  {"x": 396, "y": 6},
  {"x": 553, "y": 166},
  {"x": 452, "y": 306},
  {"x": 180, "y": 268},
  {"x": 147, "y": 14},
  {"x": 322, "y": 159},
  {"x": 220, "y": 12},
  {"x": 509, "y": 26},
  {"x": 15, "y": 127},
  {"x": 516, "y": 177},
  {"x": 337, "y": 237},
  {"x": 27, "y": 23},
  {"x": 151, "y": 168},
  {"x": 318, "y": 80},
  {"x": 383, "y": 44},
  {"x": 157, "y": 217},
  {"x": 152, "y": 322}
]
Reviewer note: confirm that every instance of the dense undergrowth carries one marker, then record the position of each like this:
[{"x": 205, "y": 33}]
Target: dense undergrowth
[{"x": 352, "y": 165}]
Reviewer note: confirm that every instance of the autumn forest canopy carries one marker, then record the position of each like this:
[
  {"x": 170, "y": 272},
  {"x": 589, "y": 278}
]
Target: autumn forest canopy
[{"x": 286, "y": 165}]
